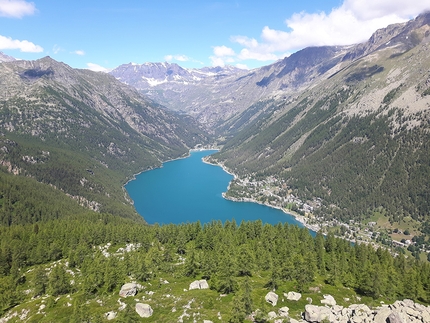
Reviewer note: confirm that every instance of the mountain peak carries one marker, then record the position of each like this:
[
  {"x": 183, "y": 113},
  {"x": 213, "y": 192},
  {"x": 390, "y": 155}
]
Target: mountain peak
[{"x": 6, "y": 58}]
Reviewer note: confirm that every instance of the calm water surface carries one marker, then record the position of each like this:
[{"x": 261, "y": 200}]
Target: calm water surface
[{"x": 188, "y": 190}]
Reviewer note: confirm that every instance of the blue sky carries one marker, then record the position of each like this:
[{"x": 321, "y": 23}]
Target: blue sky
[{"x": 100, "y": 34}]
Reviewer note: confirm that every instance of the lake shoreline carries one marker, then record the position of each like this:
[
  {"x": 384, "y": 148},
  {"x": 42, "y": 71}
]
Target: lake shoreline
[{"x": 299, "y": 218}]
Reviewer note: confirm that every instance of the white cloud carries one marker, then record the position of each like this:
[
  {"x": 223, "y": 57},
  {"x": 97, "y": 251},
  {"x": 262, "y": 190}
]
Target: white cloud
[
  {"x": 222, "y": 55},
  {"x": 16, "y": 8},
  {"x": 217, "y": 61},
  {"x": 22, "y": 45},
  {"x": 79, "y": 52},
  {"x": 180, "y": 58},
  {"x": 242, "y": 66},
  {"x": 352, "y": 22},
  {"x": 97, "y": 68},
  {"x": 222, "y": 51},
  {"x": 367, "y": 10}
]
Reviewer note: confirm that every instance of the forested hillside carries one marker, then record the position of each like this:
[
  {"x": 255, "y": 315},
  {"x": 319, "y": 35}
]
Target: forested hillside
[
  {"x": 346, "y": 138},
  {"x": 353, "y": 144},
  {"x": 82, "y": 133},
  {"x": 71, "y": 270}
]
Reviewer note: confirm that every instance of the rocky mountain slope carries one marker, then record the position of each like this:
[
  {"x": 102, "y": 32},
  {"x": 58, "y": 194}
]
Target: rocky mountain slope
[
  {"x": 197, "y": 92},
  {"x": 356, "y": 141},
  {"x": 6, "y": 58},
  {"x": 78, "y": 130},
  {"x": 214, "y": 98},
  {"x": 214, "y": 95}
]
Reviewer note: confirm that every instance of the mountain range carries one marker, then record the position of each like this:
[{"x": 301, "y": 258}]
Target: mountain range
[
  {"x": 338, "y": 134},
  {"x": 347, "y": 125},
  {"x": 84, "y": 132},
  {"x": 215, "y": 95},
  {"x": 344, "y": 125}
]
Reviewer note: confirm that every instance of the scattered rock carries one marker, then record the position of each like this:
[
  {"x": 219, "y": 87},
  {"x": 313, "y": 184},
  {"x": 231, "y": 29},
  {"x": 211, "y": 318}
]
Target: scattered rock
[
  {"x": 293, "y": 296},
  {"x": 271, "y": 315},
  {"x": 283, "y": 311},
  {"x": 394, "y": 317},
  {"x": 315, "y": 313},
  {"x": 309, "y": 300},
  {"x": 110, "y": 315},
  {"x": 129, "y": 289},
  {"x": 294, "y": 321},
  {"x": 122, "y": 305},
  {"x": 144, "y": 310},
  {"x": 328, "y": 300},
  {"x": 382, "y": 315},
  {"x": 199, "y": 284},
  {"x": 271, "y": 298}
]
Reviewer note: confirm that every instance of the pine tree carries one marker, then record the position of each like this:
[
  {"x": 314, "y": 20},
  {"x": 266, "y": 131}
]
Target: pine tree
[
  {"x": 238, "y": 313},
  {"x": 246, "y": 291},
  {"x": 58, "y": 282},
  {"x": 320, "y": 253},
  {"x": 245, "y": 261},
  {"x": 191, "y": 264},
  {"x": 40, "y": 281}
]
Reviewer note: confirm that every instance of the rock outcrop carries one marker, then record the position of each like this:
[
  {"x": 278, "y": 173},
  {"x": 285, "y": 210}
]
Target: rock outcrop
[
  {"x": 293, "y": 296},
  {"x": 129, "y": 289},
  {"x": 283, "y": 311},
  {"x": 199, "y": 284},
  {"x": 405, "y": 311},
  {"x": 144, "y": 310},
  {"x": 271, "y": 298},
  {"x": 328, "y": 300}
]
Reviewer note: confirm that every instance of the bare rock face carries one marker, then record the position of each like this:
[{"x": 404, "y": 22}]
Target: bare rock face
[
  {"x": 199, "y": 284},
  {"x": 271, "y": 298},
  {"x": 129, "y": 289},
  {"x": 144, "y": 310}
]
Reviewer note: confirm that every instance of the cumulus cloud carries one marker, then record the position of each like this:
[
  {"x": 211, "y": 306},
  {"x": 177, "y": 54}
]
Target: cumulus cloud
[
  {"x": 222, "y": 55},
  {"x": 16, "y": 8},
  {"x": 97, "y": 68},
  {"x": 79, "y": 52},
  {"x": 352, "y": 22},
  {"x": 22, "y": 45},
  {"x": 242, "y": 66},
  {"x": 222, "y": 51}
]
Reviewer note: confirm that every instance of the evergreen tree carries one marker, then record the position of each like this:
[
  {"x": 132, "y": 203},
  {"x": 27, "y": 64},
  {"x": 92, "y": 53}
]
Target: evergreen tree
[
  {"x": 320, "y": 253},
  {"x": 238, "y": 313},
  {"x": 58, "y": 282},
  {"x": 246, "y": 291},
  {"x": 40, "y": 281},
  {"x": 245, "y": 261},
  {"x": 191, "y": 264}
]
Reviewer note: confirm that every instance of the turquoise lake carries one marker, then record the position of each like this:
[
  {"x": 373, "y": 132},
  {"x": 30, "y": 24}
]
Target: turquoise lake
[{"x": 189, "y": 190}]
